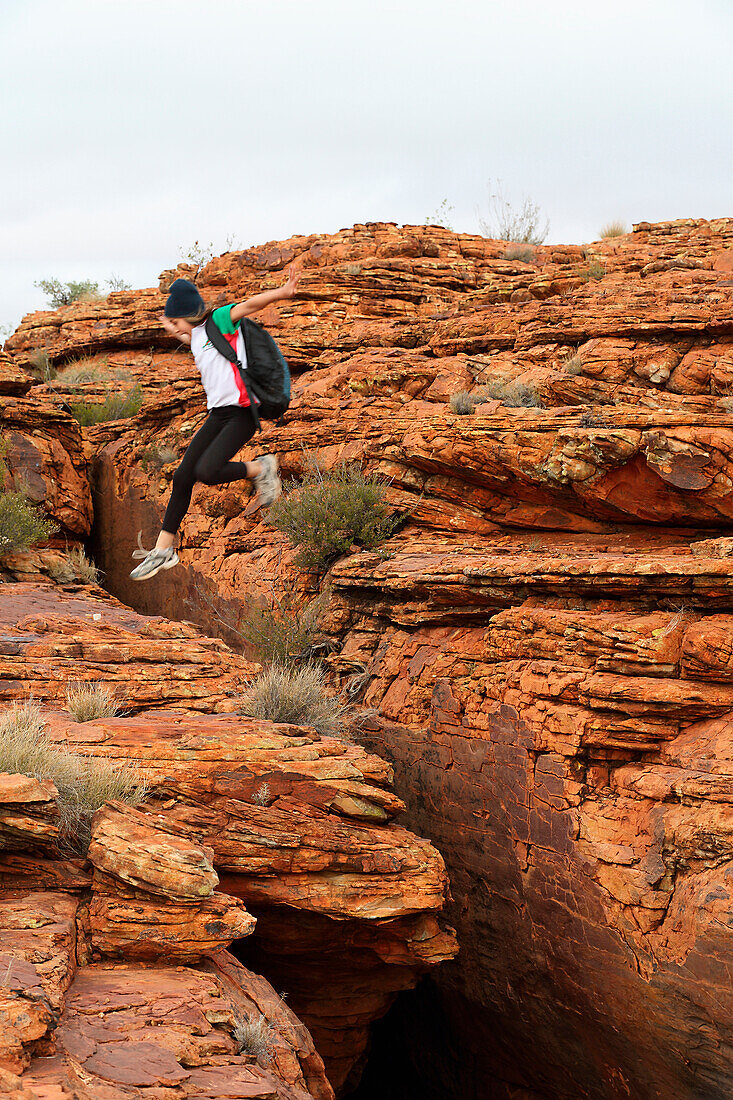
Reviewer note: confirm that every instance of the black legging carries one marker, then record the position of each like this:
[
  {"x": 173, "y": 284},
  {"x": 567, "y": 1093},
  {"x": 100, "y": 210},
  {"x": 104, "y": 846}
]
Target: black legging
[{"x": 207, "y": 458}]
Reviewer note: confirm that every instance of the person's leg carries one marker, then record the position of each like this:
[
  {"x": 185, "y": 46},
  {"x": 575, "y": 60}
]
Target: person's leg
[
  {"x": 214, "y": 466},
  {"x": 184, "y": 480}
]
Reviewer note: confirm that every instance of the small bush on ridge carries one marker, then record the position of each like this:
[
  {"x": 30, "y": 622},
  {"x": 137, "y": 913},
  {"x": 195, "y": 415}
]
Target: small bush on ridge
[
  {"x": 594, "y": 270},
  {"x": 524, "y": 225},
  {"x": 83, "y": 783},
  {"x": 63, "y": 294},
  {"x": 327, "y": 513},
  {"x": 89, "y": 701},
  {"x": 116, "y": 406},
  {"x": 294, "y": 695},
  {"x": 21, "y": 525}
]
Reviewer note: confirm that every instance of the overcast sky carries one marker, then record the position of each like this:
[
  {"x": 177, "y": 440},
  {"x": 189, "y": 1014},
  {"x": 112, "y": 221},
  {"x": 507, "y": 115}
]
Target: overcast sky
[{"x": 132, "y": 128}]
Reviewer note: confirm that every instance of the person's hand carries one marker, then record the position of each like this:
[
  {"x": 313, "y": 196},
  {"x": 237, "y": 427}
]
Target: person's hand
[{"x": 290, "y": 288}]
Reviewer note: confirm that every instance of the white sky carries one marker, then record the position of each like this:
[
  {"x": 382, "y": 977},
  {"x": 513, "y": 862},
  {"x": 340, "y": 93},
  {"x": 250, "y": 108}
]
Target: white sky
[{"x": 132, "y": 128}]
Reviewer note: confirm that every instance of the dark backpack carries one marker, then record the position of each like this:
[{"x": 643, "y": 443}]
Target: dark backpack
[{"x": 267, "y": 378}]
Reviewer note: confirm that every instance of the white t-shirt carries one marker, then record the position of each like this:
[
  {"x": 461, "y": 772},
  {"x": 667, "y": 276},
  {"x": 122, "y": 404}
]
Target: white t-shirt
[{"x": 219, "y": 377}]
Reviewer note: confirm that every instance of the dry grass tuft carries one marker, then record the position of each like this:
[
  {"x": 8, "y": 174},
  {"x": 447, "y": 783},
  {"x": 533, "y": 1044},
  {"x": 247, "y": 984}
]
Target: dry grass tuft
[
  {"x": 84, "y": 372},
  {"x": 83, "y": 783},
  {"x": 574, "y": 365},
  {"x": 86, "y": 702},
  {"x": 74, "y": 566},
  {"x": 515, "y": 395},
  {"x": 40, "y": 365},
  {"x": 462, "y": 403},
  {"x": 294, "y": 695},
  {"x": 156, "y": 456},
  {"x": 613, "y": 229},
  {"x": 255, "y": 1038},
  {"x": 523, "y": 252}
]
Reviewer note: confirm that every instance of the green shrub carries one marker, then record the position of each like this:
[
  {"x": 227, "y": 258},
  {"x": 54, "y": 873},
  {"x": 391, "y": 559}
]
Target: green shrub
[
  {"x": 88, "y": 701},
  {"x": 21, "y": 525},
  {"x": 328, "y": 513},
  {"x": 116, "y": 406},
  {"x": 283, "y": 631},
  {"x": 462, "y": 403},
  {"x": 255, "y": 1038},
  {"x": 83, "y": 783},
  {"x": 74, "y": 566},
  {"x": 294, "y": 695},
  {"x": 516, "y": 395},
  {"x": 613, "y": 229},
  {"x": 523, "y": 252},
  {"x": 41, "y": 366},
  {"x": 63, "y": 294}
]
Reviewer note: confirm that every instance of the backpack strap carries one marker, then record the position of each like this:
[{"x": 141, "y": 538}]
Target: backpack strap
[{"x": 224, "y": 348}]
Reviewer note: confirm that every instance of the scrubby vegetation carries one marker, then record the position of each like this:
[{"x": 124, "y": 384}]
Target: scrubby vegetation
[
  {"x": 21, "y": 524},
  {"x": 595, "y": 269},
  {"x": 40, "y": 365},
  {"x": 74, "y": 566},
  {"x": 262, "y": 795},
  {"x": 515, "y": 395},
  {"x": 83, "y": 783},
  {"x": 524, "y": 224},
  {"x": 523, "y": 252},
  {"x": 283, "y": 630},
  {"x": 63, "y": 294},
  {"x": 156, "y": 456},
  {"x": 83, "y": 372},
  {"x": 329, "y": 512},
  {"x": 574, "y": 365},
  {"x": 613, "y": 229},
  {"x": 295, "y": 695},
  {"x": 462, "y": 403},
  {"x": 116, "y": 406},
  {"x": 255, "y": 1037},
  {"x": 88, "y": 701}
]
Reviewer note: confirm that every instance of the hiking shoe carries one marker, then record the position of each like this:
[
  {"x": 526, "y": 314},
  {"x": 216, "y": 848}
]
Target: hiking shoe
[
  {"x": 267, "y": 484},
  {"x": 153, "y": 562}
]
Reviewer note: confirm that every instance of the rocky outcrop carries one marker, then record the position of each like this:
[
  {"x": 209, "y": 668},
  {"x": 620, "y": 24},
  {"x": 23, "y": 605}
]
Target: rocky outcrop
[
  {"x": 544, "y": 642},
  {"x": 241, "y": 815}
]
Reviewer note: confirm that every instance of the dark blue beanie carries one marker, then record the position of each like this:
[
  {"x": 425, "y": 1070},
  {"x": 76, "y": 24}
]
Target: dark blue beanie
[{"x": 184, "y": 300}]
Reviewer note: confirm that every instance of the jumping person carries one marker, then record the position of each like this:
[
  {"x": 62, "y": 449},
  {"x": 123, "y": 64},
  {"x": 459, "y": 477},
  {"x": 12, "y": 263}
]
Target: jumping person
[{"x": 230, "y": 423}]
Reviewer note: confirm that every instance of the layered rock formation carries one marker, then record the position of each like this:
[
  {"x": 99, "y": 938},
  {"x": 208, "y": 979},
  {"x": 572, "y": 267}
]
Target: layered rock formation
[
  {"x": 296, "y": 826},
  {"x": 545, "y": 641}
]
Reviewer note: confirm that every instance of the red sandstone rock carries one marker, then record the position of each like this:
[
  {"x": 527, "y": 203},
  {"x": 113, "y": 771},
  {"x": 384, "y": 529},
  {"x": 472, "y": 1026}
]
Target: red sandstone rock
[{"x": 546, "y": 641}]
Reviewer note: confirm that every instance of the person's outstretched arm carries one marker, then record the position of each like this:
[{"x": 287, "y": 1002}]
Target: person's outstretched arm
[{"x": 266, "y": 298}]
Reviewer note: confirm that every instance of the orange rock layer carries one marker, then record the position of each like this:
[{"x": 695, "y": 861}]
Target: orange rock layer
[{"x": 544, "y": 642}]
